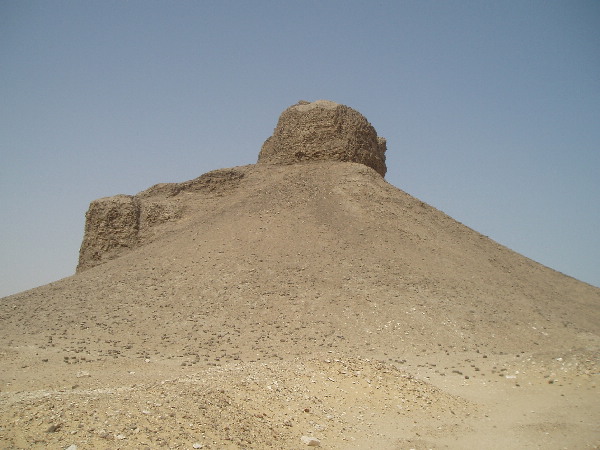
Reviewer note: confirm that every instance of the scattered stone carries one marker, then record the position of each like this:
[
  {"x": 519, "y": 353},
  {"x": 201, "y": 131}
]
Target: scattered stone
[
  {"x": 71, "y": 447},
  {"x": 197, "y": 445},
  {"x": 310, "y": 441},
  {"x": 54, "y": 428}
]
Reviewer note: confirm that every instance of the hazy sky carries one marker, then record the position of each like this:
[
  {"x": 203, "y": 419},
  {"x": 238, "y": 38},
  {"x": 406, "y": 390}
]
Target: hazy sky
[{"x": 491, "y": 109}]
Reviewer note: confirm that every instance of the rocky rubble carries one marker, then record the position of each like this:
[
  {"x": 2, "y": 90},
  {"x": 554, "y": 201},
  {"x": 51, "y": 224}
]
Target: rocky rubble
[{"x": 275, "y": 405}]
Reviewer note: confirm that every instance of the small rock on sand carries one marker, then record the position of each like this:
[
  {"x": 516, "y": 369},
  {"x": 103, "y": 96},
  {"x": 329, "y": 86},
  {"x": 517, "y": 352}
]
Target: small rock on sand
[{"x": 311, "y": 441}]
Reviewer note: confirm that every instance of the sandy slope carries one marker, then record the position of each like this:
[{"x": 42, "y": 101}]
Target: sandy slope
[{"x": 303, "y": 300}]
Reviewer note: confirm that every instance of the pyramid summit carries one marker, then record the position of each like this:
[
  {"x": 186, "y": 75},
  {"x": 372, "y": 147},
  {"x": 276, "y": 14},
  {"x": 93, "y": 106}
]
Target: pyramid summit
[{"x": 324, "y": 131}]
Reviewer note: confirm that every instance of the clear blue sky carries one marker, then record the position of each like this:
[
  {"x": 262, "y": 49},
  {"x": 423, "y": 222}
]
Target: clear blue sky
[{"x": 491, "y": 109}]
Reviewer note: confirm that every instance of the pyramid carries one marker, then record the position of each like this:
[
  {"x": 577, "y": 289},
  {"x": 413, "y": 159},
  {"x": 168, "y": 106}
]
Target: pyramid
[{"x": 296, "y": 302}]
